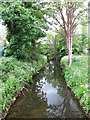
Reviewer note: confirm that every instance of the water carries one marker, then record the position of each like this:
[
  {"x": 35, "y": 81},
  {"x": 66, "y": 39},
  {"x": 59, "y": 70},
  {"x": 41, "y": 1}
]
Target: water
[
  {"x": 48, "y": 97},
  {"x": 1, "y": 50}
]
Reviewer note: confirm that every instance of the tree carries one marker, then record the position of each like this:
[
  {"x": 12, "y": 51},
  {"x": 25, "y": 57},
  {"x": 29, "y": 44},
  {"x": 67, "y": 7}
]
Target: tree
[
  {"x": 25, "y": 27},
  {"x": 67, "y": 15}
]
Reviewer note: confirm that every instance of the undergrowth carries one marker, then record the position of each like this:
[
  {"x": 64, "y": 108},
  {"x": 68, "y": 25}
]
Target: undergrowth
[
  {"x": 14, "y": 75},
  {"x": 76, "y": 77}
]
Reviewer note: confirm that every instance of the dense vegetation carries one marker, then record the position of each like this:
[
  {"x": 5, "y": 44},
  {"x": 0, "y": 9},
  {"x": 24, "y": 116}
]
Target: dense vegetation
[
  {"x": 24, "y": 29},
  {"x": 76, "y": 77},
  {"x": 15, "y": 75},
  {"x": 29, "y": 42},
  {"x": 22, "y": 53}
]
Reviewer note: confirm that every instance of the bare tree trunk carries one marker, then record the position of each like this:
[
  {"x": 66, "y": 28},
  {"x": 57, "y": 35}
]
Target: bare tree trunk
[
  {"x": 70, "y": 51},
  {"x": 70, "y": 35},
  {"x": 69, "y": 46},
  {"x": 69, "y": 57}
]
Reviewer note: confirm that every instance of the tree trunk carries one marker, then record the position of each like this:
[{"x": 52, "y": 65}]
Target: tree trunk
[
  {"x": 70, "y": 52},
  {"x": 69, "y": 47},
  {"x": 69, "y": 36}
]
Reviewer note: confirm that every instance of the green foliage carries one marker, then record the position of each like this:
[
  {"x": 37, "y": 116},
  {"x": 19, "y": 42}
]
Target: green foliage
[
  {"x": 61, "y": 47},
  {"x": 13, "y": 69},
  {"x": 76, "y": 77},
  {"x": 45, "y": 50},
  {"x": 47, "y": 46},
  {"x": 0, "y": 99},
  {"x": 24, "y": 29},
  {"x": 80, "y": 43},
  {"x": 14, "y": 75}
]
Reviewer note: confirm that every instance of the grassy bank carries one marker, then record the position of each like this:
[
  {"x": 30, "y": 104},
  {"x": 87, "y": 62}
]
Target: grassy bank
[
  {"x": 15, "y": 75},
  {"x": 76, "y": 77}
]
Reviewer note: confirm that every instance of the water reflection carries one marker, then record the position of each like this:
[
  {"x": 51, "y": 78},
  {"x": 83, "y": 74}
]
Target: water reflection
[
  {"x": 49, "y": 98},
  {"x": 48, "y": 92}
]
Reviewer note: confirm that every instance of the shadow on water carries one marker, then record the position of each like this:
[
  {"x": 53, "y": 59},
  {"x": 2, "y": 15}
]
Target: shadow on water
[{"x": 48, "y": 97}]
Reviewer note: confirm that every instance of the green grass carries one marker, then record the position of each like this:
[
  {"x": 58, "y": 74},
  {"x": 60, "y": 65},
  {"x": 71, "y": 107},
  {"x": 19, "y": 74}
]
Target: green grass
[
  {"x": 0, "y": 99},
  {"x": 76, "y": 77},
  {"x": 14, "y": 75}
]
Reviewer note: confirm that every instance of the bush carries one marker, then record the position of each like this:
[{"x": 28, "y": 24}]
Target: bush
[
  {"x": 24, "y": 29},
  {"x": 76, "y": 77},
  {"x": 14, "y": 75}
]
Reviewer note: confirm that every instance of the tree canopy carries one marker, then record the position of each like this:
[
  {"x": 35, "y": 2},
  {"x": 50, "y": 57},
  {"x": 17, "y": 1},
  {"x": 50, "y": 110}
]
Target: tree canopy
[
  {"x": 25, "y": 27},
  {"x": 67, "y": 15}
]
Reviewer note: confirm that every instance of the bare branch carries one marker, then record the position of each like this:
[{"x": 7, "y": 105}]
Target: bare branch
[
  {"x": 58, "y": 22},
  {"x": 56, "y": 19},
  {"x": 63, "y": 19},
  {"x": 52, "y": 24},
  {"x": 78, "y": 15}
]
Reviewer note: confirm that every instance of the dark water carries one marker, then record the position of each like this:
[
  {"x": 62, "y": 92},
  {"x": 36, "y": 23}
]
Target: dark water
[
  {"x": 49, "y": 97},
  {"x": 1, "y": 50}
]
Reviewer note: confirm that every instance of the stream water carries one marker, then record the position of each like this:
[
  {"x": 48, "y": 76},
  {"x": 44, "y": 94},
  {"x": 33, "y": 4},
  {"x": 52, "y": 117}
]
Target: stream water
[
  {"x": 1, "y": 49},
  {"x": 48, "y": 97}
]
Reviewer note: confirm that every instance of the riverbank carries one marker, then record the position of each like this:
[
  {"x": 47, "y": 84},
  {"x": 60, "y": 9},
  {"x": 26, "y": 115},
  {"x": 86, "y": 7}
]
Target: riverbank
[
  {"x": 76, "y": 77},
  {"x": 15, "y": 75},
  {"x": 47, "y": 97}
]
